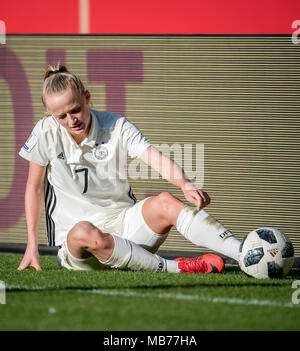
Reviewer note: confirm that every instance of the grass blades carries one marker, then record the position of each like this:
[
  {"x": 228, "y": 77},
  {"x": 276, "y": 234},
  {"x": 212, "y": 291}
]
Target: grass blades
[{"x": 115, "y": 300}]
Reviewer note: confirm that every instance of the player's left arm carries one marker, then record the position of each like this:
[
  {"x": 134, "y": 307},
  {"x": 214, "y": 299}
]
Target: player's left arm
[{"x": 174, "y": 174}]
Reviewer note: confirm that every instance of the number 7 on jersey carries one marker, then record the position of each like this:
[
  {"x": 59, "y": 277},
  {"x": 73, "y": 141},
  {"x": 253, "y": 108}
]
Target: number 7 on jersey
[{"x": 85, "y": 171}]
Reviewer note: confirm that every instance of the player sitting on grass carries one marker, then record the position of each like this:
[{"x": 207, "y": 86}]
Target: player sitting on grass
[{"x": 77, "y": 164}]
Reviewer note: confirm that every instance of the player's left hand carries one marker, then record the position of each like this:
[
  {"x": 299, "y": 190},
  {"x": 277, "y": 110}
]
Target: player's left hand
[{"x": 197, "y": 197}]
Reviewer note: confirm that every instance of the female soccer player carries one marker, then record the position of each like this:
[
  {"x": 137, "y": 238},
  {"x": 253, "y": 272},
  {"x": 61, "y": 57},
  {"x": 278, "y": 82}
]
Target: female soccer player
[{"x": 77, "y": 165}]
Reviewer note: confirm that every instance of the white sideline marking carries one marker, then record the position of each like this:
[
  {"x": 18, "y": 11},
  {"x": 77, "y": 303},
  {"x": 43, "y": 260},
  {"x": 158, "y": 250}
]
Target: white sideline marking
[{"x": 208, "y": 299}]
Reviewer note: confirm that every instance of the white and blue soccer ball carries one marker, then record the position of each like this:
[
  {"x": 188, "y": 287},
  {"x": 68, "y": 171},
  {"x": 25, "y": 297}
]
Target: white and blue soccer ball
[{"x": 266, "y": 253}]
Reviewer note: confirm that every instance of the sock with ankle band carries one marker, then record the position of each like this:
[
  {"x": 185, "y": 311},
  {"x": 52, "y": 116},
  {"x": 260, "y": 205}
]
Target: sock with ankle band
[
  {"x": 128, "y": 255},
  {"x": 204, "y": 230}
]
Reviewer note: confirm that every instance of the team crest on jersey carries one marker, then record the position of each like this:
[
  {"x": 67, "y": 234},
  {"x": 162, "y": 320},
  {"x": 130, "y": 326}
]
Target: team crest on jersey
[{"x": 101, "y": 152}]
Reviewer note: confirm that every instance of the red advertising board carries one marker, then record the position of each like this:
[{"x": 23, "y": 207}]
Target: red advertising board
[{"x": 151, "y": 17}]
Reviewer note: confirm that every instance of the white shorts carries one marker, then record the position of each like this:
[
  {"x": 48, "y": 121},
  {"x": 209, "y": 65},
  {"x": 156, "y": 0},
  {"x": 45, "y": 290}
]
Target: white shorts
[{"x": 130, "y": 224}]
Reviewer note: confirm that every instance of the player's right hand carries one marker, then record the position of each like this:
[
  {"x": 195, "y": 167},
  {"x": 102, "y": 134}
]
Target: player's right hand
[{"x": 30, "y": 260}]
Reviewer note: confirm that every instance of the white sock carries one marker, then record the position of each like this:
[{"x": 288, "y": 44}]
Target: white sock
[
  {"x": 129, "y": 255},
  {"x": 204, "y": 230}
]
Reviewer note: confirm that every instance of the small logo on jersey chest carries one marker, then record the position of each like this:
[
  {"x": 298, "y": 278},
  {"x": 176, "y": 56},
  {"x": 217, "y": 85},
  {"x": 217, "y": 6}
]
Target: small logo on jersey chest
[
  {"x": 61, "y": 156},
  {"x": 100, "y": 152}
]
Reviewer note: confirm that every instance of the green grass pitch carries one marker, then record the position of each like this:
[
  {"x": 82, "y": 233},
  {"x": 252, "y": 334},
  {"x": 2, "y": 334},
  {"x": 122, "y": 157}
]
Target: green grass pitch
[{"x": 58, "y": 299}]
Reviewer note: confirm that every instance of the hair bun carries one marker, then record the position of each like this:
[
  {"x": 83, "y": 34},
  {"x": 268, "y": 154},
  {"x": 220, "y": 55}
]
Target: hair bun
[{"x": 51, "y": 70}]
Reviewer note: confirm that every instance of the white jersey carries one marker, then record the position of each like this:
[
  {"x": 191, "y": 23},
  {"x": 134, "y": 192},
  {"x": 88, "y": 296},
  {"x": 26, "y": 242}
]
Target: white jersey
[{"x": 87, "y": 181}]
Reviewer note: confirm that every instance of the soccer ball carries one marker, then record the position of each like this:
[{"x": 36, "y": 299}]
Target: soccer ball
[{"x": 266, "y": 253}]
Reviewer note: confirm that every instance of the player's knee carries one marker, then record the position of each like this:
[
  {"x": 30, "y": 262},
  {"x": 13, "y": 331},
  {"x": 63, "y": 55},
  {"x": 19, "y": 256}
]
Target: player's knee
[
  {"x": 166, "y": 202},
  {"x": 83, "y": 233},
  {"x": 100, "y": 242}
]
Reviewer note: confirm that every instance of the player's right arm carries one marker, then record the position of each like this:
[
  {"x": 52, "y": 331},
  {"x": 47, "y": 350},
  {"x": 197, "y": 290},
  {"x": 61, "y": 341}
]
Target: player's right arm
[{"x": 34, "y": 199}]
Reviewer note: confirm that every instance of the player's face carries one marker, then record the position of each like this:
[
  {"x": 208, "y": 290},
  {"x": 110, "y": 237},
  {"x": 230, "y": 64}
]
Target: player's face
[{"x": 72, "y": 112}]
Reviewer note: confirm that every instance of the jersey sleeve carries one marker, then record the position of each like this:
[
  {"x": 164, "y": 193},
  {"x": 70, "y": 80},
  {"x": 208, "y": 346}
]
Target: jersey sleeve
[
  {"x": 35, "y": 149},
  {"x": 133, "y": 139}
]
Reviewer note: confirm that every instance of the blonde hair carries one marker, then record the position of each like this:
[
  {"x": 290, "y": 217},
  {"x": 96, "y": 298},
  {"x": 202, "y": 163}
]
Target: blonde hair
[{"x": 57, "y": 79}]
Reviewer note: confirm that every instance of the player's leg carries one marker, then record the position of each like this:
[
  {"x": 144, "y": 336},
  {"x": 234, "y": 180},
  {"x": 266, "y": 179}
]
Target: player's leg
[
  {"x": 73, "y": 253},
  {"x": 84, "y": 240},
  {"x": 117, "y": 252},
  {"x": 163, "y": 211},
  {"x": 138, "y": 231},
  {"x": 137, "y": 219}
]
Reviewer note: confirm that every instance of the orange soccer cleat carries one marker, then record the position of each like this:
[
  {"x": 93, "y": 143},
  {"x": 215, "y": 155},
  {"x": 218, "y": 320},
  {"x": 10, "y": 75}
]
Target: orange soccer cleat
[{"x": 209, "y": 263}]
